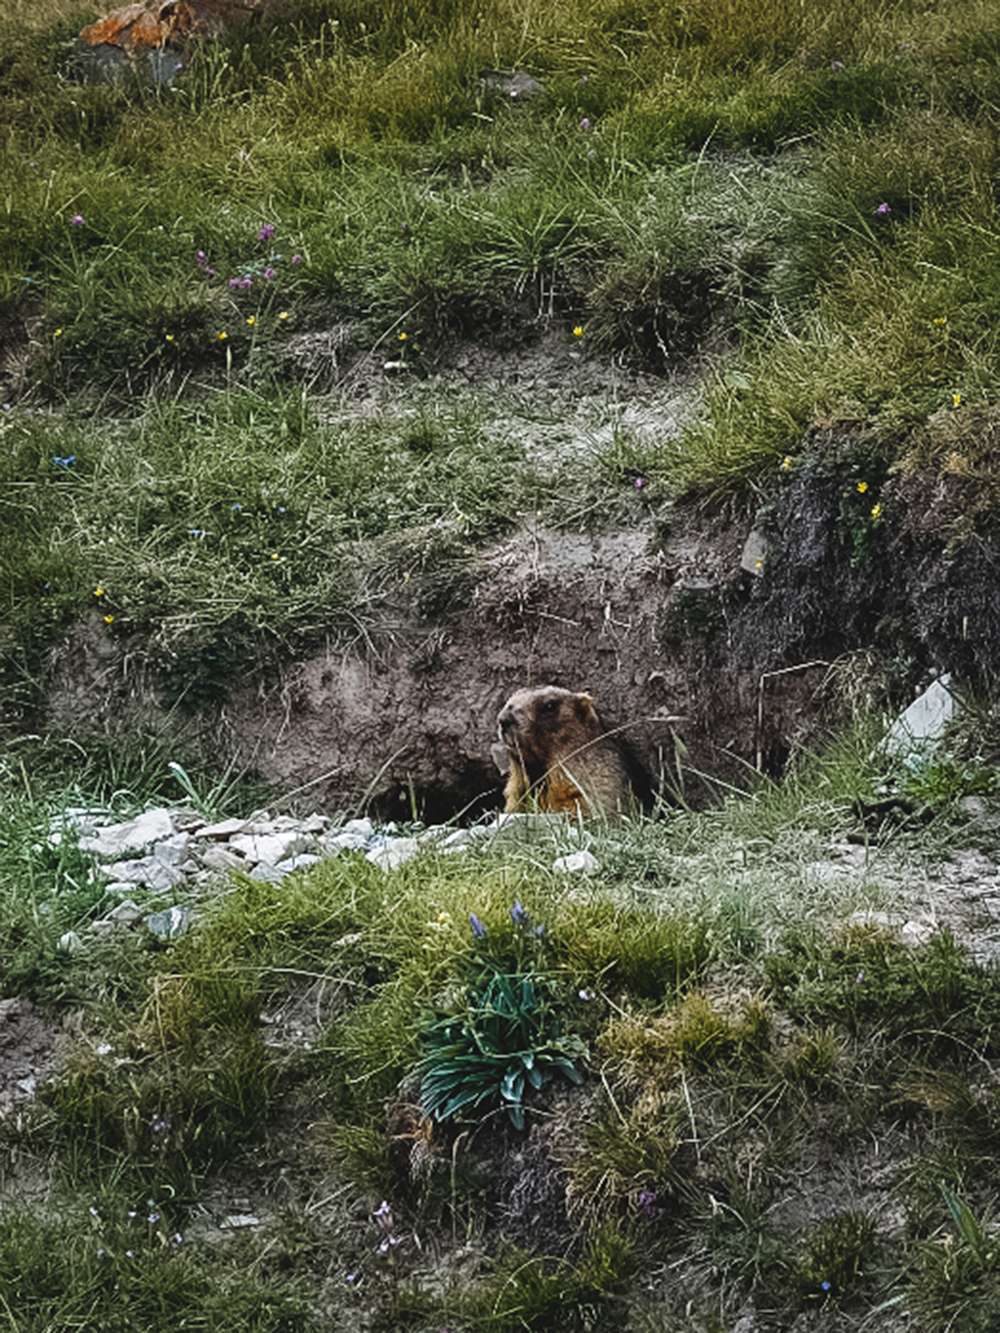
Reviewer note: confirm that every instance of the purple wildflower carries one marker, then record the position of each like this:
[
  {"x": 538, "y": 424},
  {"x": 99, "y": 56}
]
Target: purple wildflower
[
  {"x": 648, "y": 1203},
  {"x": 202, "y": 258},
  {"x": 639, "y": 484},
  {"x": 585, "y": 123},
  {"x": 518, "y": 915},
  {"x": 270, "y": 273},
  {"x": 209, "y": 272},
  {"x": 860, "y": 977},
  {"x": 266, "y": 232},
  {"x": 478, "y": 929},
  {"x": 883, "y": 210},
  {"x": 297, "y": 259},
  {"x": 837, "y": 65},
  {"x": 76, "y": 220}
]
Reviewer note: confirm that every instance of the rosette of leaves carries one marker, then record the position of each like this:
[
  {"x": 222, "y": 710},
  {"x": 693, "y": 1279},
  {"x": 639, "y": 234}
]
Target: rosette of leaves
[{"x": 503, "y": 1036}]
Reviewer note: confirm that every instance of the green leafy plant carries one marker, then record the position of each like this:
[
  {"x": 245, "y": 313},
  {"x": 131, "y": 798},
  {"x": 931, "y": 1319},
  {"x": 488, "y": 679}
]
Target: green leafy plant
[{"x": 501, "y": 1036}]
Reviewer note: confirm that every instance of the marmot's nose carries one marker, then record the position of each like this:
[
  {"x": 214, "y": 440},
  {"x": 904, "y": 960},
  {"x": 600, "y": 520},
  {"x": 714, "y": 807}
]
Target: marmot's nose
[{"x": 507, "y": 718}]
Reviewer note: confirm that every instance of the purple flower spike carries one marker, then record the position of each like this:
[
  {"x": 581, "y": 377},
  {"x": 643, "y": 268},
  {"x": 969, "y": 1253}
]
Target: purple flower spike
[
  {"x": 883, "y": 210},
  {"x": 266, "y": 232},
  {"x": 76, "y": 220},
  {"x": 478, "y": 929},
  {"x": 518, "y": 915},
  {"x": 585, "y": 123},
  {"x": 202, "y": 258},
  {"x": 270, "y": 273},
  {"x": 639, "y": 484},
  {"x": 296, "y": 259}
]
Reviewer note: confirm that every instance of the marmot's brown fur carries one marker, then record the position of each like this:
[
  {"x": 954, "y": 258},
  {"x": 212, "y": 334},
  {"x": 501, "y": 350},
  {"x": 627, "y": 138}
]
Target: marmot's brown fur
[{"x": 559, "y": 758}]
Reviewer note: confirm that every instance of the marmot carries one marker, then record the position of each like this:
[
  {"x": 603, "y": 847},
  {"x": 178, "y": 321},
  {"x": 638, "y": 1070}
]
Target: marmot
[{"x": 558, "y": 756}]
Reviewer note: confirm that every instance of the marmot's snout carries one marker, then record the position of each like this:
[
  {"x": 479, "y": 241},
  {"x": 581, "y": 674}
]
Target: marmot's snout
[{"x": 507, "y": 721}]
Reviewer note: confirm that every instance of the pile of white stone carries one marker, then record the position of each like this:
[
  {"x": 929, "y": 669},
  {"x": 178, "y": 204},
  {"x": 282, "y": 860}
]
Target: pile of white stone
[{"x": 175, "y": 853}]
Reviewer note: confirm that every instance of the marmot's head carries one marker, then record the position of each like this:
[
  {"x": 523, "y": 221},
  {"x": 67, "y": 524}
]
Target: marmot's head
[{"x": 539, "y": 724}]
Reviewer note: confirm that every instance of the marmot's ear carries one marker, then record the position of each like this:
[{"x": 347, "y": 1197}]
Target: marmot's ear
[{"x": 584, "y": 706}]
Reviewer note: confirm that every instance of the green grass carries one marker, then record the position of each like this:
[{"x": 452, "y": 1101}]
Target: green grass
[
  {"x": 798, "y": 199},
  {"x": 730, "y": 1040},
  {"x": 804, "y": 190}
]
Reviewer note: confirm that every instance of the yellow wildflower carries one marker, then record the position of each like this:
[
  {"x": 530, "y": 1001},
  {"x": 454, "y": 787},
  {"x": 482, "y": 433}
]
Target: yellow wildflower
[
  {"x": 98, "y": 592},
  {"x": 876, "y": 511},
  {"x": 221, "y": 337},
  {"x": 57, "y": 334},
  {"x": 283, "y": 315},
  {"x": 402, "y": 336},
  {"x": 786, "y": 463},
  {"x": 941, "y": 319},
  {"x": 578, "y": 331},
  {"x": 170, "y": 337},
  {"x": 252, "y": 320},
  {"x": 956, "y": 400},
  {"x": 109, "y": 620},
  {"x": 862, "y": 487}
]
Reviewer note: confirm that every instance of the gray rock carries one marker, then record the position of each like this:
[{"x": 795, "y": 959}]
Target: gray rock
[
  {"x": 170, "y": 924},
  {"x": 70, "y": 942},
  {"x": 218, "y": 857},
  {"x": 126, "y": 913},
  {"x": 511, "y": 85},
  {"x": 754, "y": 554}
]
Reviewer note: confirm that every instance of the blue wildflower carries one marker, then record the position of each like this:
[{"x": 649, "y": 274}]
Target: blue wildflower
[{"x": 478, "y": 929}]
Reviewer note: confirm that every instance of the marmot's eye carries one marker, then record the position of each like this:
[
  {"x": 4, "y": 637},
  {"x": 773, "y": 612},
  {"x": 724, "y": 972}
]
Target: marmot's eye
[{"x": 549, "y": 706}]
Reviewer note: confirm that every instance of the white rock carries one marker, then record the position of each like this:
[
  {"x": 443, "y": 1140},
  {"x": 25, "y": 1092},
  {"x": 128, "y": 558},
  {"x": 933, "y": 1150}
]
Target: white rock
[
  {"x": 577, "y": 863},
  {"x": 921, "y": 726},
  {"x": 70, "y": 942},
  {"x": 394, "y": 853},
  {"x": 132, "y": 836},
  {"x": 364, "y": 827},
  {"x": 236, "y": 1220},
  {"x": 225, "y": 828},
  {"x": 271, "y": 848},
  {"x": 915, "y": 934},
  {"x": 125, "y": 913},
  {"x": 147, "y": 870},
  {"x": 345, "y": 842},
  {"x": 274, "y": 874},
  {"x": 171, "y": 851}
]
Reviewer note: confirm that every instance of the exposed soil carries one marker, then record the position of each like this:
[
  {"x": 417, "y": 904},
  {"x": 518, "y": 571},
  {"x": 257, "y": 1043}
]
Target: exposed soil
[{"x": 661, "y": 612}]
